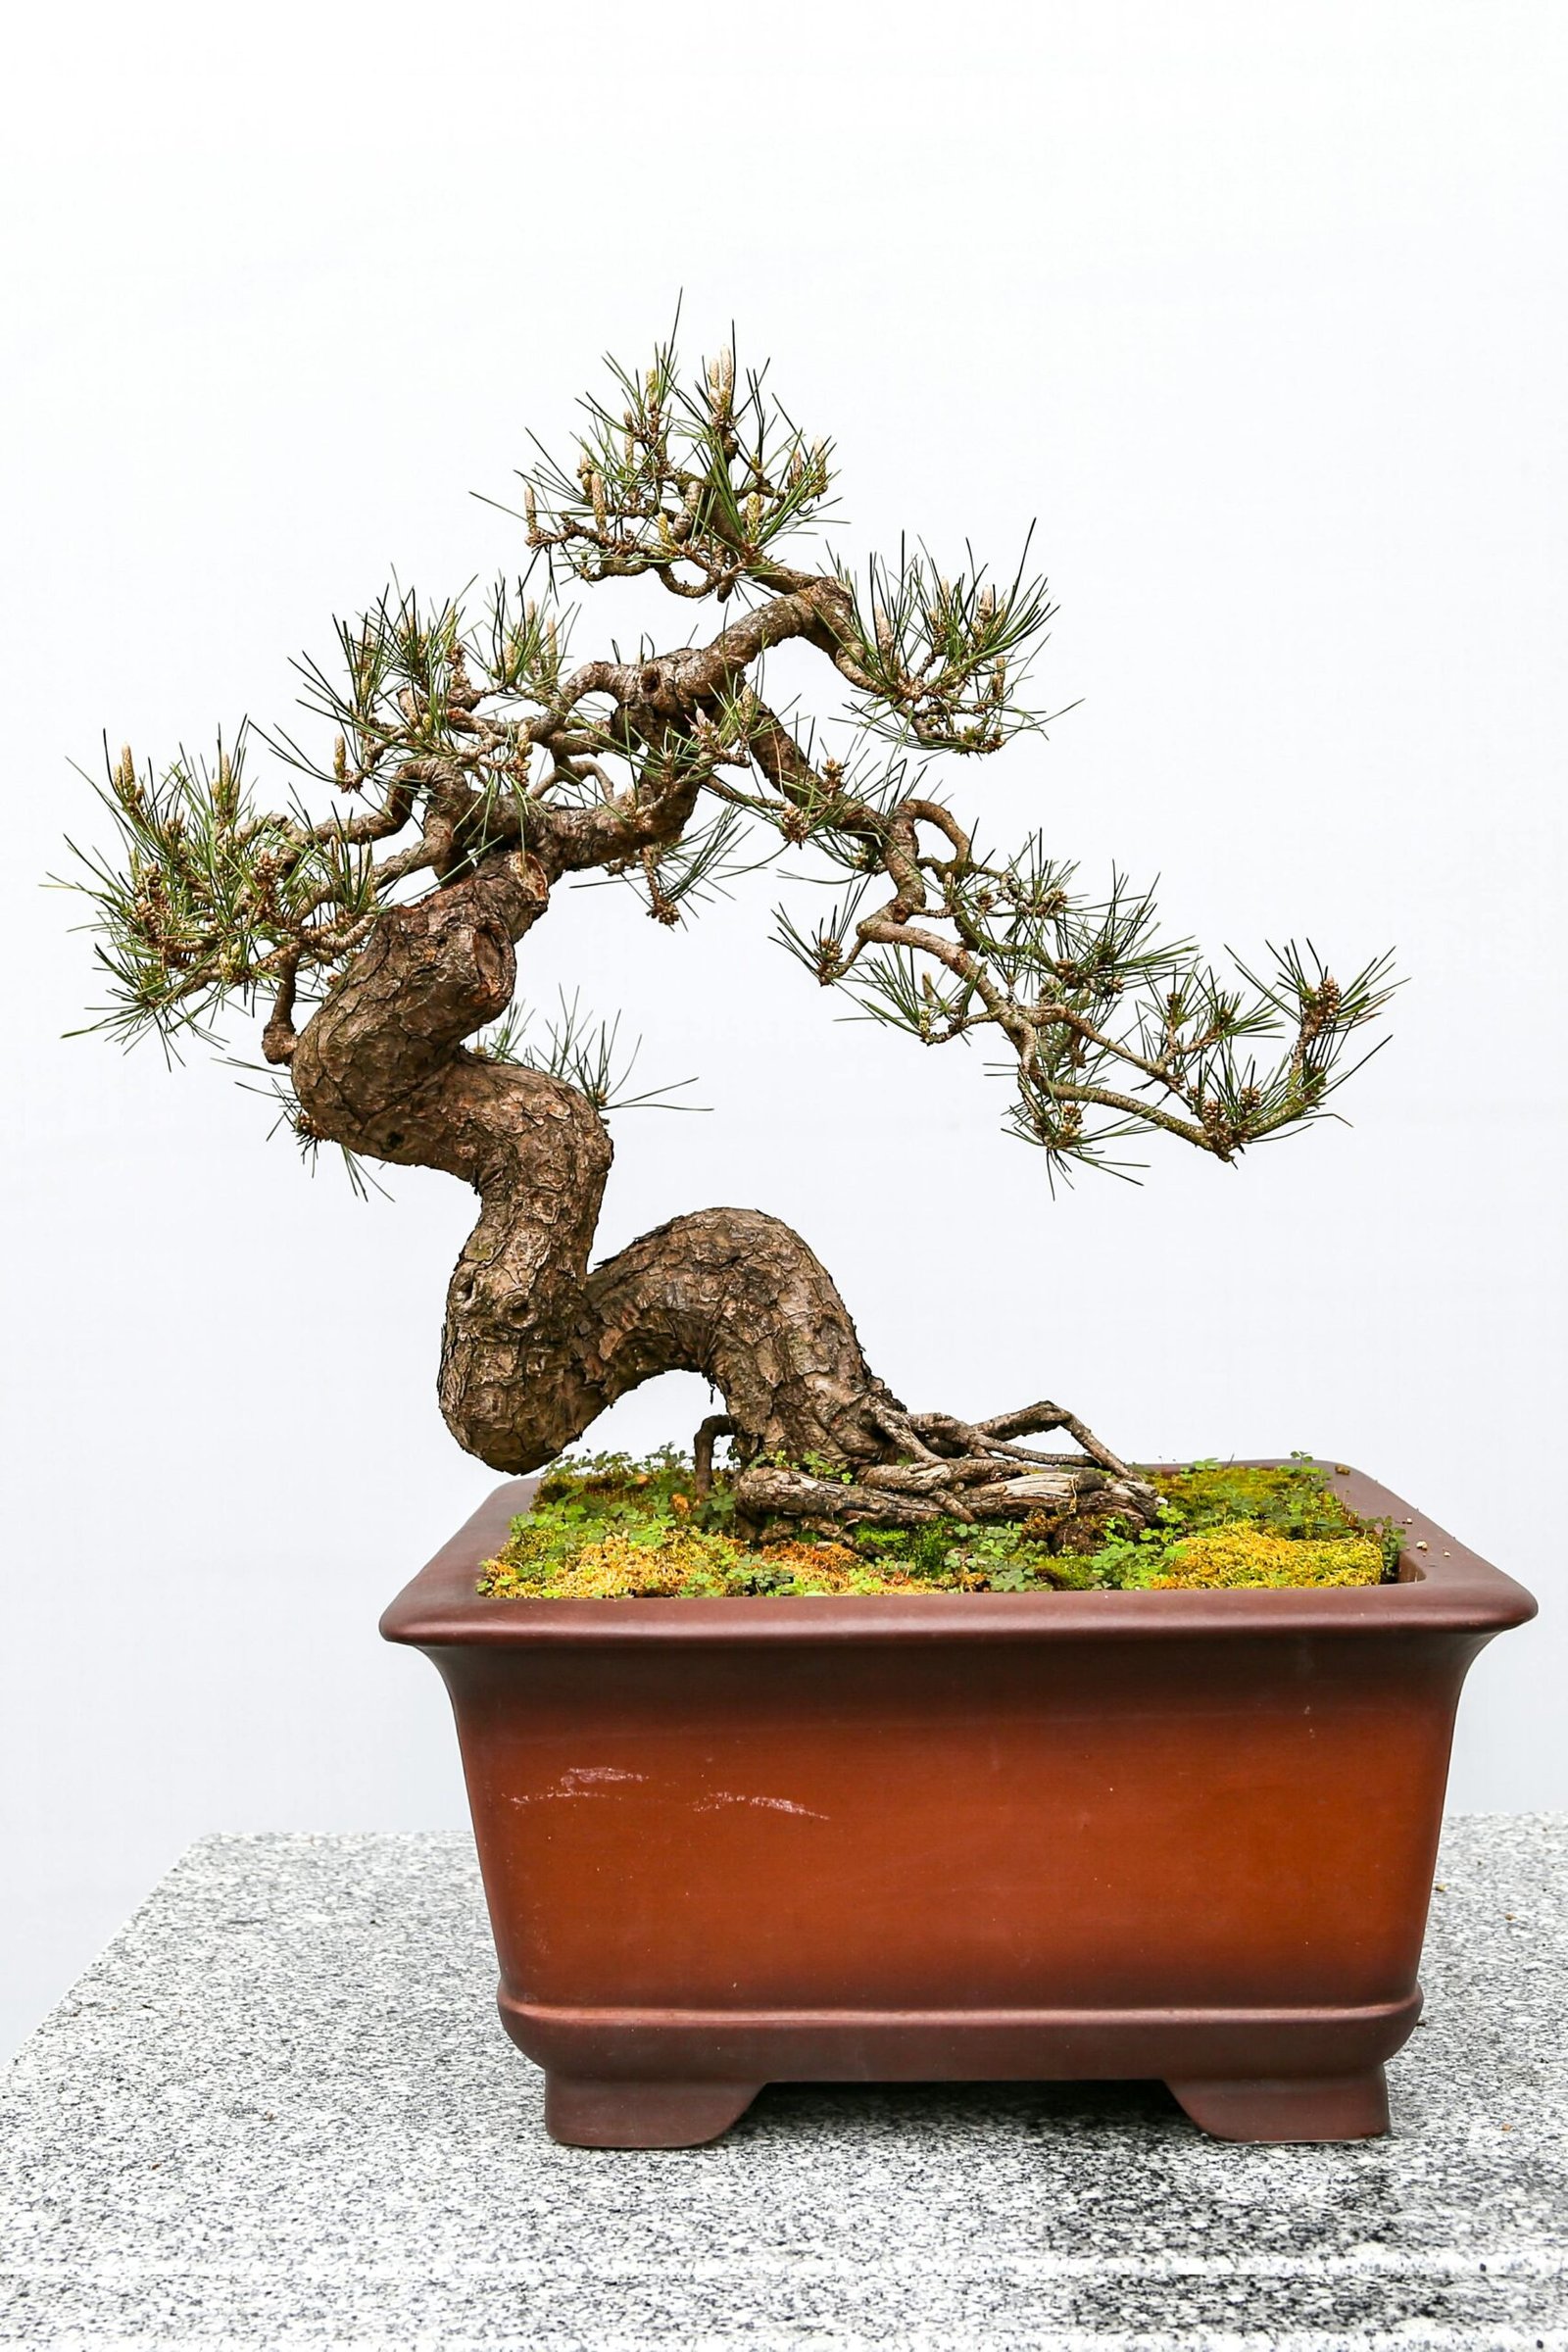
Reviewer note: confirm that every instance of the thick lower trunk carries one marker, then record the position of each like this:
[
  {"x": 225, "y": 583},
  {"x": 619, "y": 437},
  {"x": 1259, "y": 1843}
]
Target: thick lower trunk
[{"x": 536, "y": 1346}]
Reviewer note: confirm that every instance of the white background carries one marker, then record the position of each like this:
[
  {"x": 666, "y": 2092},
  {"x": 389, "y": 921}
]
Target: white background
[{"x": 1258, "y": 309}]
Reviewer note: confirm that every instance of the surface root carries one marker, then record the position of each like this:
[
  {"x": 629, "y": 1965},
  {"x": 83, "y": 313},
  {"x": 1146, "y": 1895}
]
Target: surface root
[{"x": 937, "y": 1467}]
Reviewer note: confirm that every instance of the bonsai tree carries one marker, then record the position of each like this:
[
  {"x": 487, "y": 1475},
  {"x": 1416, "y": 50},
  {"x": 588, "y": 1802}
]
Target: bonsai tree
[{"x": 473, "y": 765}]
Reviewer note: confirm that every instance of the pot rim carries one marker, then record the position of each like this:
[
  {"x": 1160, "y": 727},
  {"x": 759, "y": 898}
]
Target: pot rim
[{"x": 1443, "y": 1587}]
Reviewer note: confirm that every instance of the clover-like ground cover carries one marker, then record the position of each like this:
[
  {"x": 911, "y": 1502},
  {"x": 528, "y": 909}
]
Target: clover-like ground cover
[{"x": 605, "y": 1527}]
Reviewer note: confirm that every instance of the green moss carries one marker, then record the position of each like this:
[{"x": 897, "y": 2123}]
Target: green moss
[
  {"x": 1294, "y": 1499},
  {"x": 605, "y": 1527},
  {"x": 1240, "y": 1552}
]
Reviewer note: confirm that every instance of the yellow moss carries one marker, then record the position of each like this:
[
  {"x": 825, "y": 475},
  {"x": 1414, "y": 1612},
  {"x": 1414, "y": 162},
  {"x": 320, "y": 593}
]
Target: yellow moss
[
  {"x": 688, "y": 1562},
  {"x": 1240, "y": 1554},
  {"x": 616, "y": 1569}
]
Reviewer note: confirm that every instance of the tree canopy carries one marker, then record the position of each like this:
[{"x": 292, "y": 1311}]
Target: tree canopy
[{"x": 453, "y": 732}]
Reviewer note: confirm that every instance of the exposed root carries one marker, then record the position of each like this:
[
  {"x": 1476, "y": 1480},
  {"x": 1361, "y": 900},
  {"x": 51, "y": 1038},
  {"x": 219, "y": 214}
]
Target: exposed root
[
  {"x": 941, "y": 1467},
  {"x": 718, "y": 1425}
]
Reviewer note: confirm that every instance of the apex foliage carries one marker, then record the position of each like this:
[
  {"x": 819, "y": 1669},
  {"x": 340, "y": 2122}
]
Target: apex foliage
[{"x": 457, "y": 732}]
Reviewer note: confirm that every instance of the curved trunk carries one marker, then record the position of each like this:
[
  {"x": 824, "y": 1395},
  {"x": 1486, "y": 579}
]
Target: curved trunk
[
  {"x": 536, "y": 1348},
  {"x": 535, "y": 1345}
]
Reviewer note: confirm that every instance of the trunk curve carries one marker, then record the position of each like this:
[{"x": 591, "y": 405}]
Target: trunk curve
[{"x": 535, "y": 1346}]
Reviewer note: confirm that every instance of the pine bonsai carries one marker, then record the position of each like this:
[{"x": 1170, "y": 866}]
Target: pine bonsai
[{"x": 475, "y": 767}]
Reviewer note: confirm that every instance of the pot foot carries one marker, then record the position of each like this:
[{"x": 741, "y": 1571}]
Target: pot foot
[
  {"x": 609, "y": 2112},
  {"x": 1290, "y": 2107}
]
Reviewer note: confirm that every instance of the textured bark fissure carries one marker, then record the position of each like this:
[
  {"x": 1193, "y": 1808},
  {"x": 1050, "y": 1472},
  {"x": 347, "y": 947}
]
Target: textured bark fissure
[{"x": 536, "y": 1344}]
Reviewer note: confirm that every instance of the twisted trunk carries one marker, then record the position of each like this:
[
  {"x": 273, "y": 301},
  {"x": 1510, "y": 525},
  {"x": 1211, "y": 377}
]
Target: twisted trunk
[{"x": 536, "y": 1346}]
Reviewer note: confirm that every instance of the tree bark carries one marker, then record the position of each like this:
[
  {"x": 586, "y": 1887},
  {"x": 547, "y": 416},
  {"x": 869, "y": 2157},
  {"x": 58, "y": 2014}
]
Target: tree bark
[{"x": 535, "y": 1345}]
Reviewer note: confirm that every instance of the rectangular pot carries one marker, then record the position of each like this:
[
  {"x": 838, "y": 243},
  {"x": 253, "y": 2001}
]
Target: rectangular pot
[{"x": 1182, "y": 1835}]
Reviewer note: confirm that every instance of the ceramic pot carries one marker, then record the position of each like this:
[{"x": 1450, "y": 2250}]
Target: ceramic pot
[{"x": 1182, "y": 1835}]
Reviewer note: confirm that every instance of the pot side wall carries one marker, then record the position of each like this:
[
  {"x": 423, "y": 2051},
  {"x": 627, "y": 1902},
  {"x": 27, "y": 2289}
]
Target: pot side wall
[{"x": 1234, "y": 1821}]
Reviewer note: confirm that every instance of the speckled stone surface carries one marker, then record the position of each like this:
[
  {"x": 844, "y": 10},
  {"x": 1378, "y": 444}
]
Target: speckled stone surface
[{"x": 279, "y": 2111}]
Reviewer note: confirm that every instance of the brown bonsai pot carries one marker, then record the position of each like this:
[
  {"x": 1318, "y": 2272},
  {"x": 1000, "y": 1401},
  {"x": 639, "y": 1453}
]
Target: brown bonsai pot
[{"x": 1186, "y": 1834}]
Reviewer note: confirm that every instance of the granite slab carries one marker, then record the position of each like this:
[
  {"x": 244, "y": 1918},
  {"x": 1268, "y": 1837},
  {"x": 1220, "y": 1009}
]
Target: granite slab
[{"x": 279, "y": 2111}]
